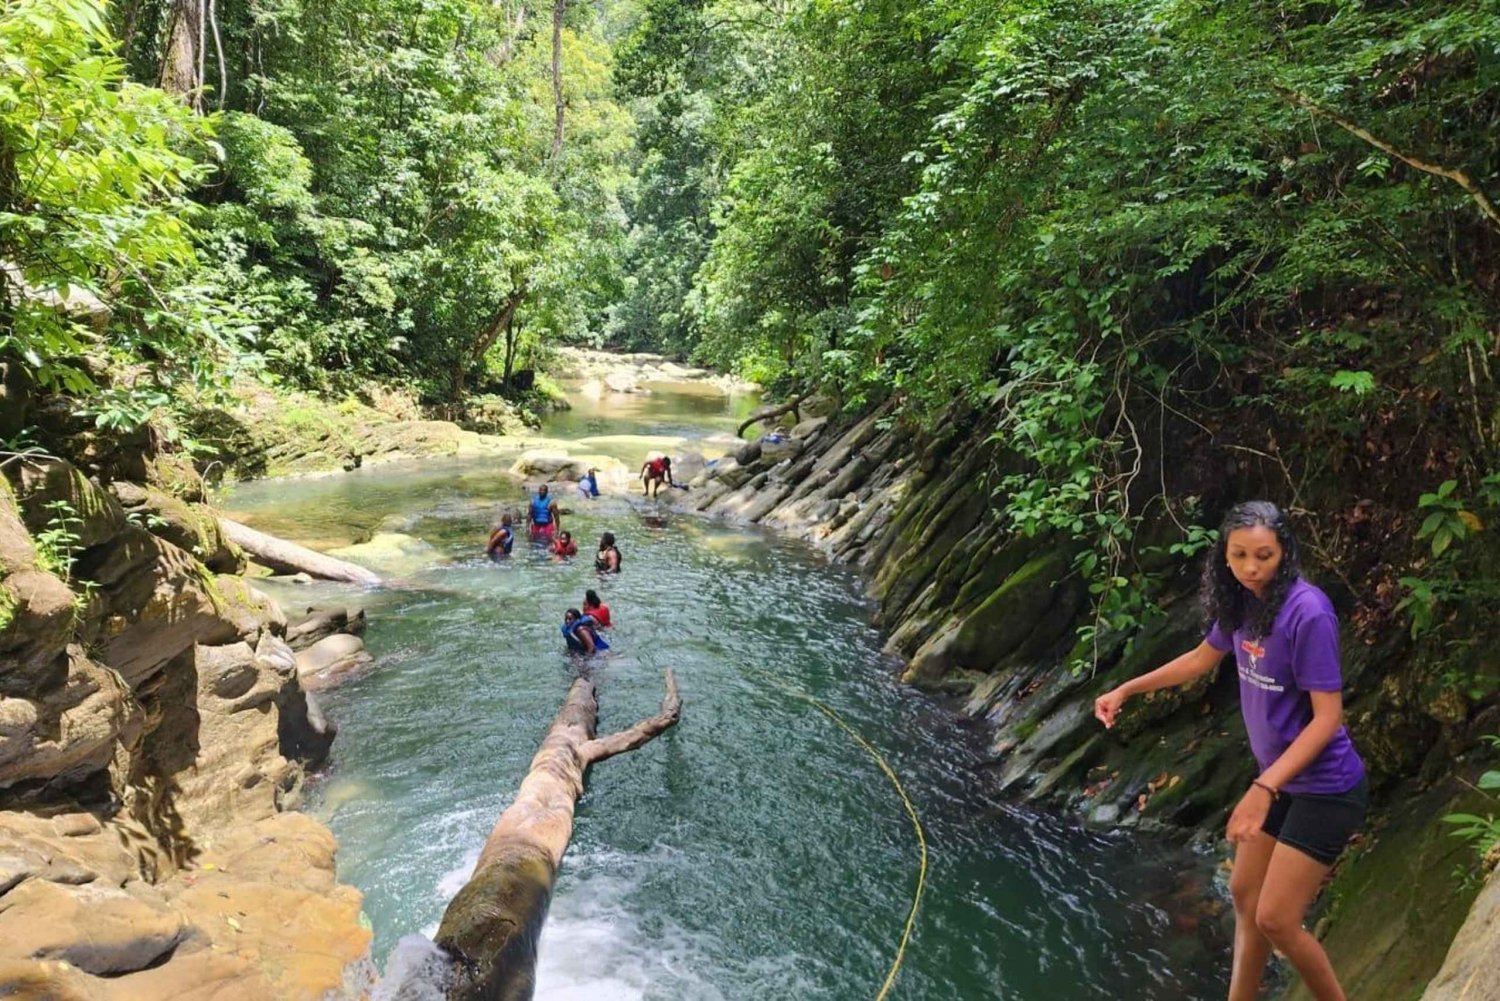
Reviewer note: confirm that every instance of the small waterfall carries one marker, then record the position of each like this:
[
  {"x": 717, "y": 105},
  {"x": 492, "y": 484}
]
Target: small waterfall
[{"x": 417, "y": 970}]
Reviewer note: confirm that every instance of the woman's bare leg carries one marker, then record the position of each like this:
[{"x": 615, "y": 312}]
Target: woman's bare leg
[
  {"x": 1292, "y": 881},
  {"x": 1251, "y": 948}
]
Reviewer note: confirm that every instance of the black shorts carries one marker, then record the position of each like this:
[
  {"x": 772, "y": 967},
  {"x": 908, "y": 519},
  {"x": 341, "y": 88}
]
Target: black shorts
[{"x": 1319, "y": 826}]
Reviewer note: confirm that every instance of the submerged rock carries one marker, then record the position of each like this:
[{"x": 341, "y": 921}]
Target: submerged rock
[{"x": 332, "y": 661}]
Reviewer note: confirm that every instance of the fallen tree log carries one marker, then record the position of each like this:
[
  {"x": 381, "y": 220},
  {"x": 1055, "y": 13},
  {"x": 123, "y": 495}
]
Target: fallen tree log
[
  {"x": 491, "y": 927},
  {"x": 764, "y": 415},
  {"x": 288, "y": 557}
]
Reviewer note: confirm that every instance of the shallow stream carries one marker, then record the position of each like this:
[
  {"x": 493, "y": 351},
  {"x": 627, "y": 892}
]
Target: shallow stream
[{"x": 755, "y": 851}]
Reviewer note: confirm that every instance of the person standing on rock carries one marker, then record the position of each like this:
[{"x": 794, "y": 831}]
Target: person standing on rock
[
  {"x": 607, "y": 559},
  {"x": 656, "y": 470},
  {"x": 543, "y": 515},
  {"x": 588, "y": 487},
  {"x": 1311, "y": 794}
]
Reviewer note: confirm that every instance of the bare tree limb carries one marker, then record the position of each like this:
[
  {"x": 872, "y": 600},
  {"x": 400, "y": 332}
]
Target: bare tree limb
[
  {"x": 602, "y": 748},
  {"x": 764, "y": 415},
  {"x": 1458, "y": 177}
]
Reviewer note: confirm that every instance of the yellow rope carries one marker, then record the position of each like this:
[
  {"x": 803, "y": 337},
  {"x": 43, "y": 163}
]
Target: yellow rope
[{"x": 911, "y": 811}]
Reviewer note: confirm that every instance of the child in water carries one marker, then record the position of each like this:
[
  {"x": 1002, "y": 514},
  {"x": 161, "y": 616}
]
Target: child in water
[
  {"x": 582, "y": 633},
  {"x": 564, "y": 545},
  {"x": 1310, "y": 793},
  {"x": 502, "y": 538},
  {"x": 594, "y": 607}
]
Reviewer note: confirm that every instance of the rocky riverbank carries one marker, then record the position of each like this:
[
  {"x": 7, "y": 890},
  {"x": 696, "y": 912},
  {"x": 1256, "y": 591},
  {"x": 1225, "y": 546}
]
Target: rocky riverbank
[
  {"x": 611, "y": 372},
  {"x": 992, "y": 618},
  {"x": 154, "y": 737}
]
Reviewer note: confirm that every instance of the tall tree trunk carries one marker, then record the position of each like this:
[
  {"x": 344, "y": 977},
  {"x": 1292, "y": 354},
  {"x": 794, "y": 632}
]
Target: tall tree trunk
[
  {"x": 181, "y": 60},
  {"x": 559, "y": 8},
  {"x": 213, "y": 22},
  {"x": 510, "y": 346},
  {"x": 492, "y": 925},
  {"x": 507, "y": 49},
  {"x": 491, "y": 334}
]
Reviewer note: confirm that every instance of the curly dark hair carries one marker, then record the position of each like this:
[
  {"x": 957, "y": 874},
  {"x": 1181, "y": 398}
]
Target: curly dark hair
[{"x": 1227, "y": 601}]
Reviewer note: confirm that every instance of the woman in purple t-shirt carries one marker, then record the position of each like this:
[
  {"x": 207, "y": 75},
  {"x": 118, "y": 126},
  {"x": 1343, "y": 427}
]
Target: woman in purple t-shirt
[{"x": 1310, "y": 795}]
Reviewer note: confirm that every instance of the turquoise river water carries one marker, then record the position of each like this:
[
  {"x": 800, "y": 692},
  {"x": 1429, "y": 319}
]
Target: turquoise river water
[{"x": 756, "y": 850}]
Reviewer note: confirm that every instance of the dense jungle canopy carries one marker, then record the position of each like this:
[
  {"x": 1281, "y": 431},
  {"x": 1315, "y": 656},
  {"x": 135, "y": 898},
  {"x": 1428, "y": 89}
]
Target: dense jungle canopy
[{"x": 1136, "y": 237}]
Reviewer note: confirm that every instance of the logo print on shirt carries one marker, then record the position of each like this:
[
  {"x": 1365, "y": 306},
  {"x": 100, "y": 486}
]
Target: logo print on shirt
[{"x": 1250, "y": 670}]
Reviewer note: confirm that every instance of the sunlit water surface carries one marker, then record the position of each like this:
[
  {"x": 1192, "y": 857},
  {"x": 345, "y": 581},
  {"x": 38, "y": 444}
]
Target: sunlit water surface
[{"x": 755, "y": 851}]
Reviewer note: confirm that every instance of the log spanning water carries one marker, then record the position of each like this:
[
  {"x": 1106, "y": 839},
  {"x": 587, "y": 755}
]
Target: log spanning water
[
  {"x": 492, "y": 926},
  {"x": 289, "y": 557}
]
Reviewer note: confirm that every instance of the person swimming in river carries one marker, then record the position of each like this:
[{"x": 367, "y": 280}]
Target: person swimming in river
[
  {"x": 598, "y": 609},
  {"x": 1310, "y": 794},
  {"x": 543, "y": 514},
  {"x": 588, "y": 487},
  {"x": 502, "y": 538},
  {"x": 582, "y": 633},
  {"x": 607, "y": 559},
  {"x": 564, "y": 545},
  {"x": 654, "y": 472}
]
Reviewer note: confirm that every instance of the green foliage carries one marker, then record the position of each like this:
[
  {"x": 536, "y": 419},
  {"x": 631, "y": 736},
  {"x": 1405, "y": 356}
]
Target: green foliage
[
  {"x": 57, "y": 543},
  {"x": 1447, "y": 519},
  {"x": 1120, "y": 230},
  {"x": 1453, "y": 572},
  {"x": 1483, "y": 832},
  {"x": 96, "y": 258}
]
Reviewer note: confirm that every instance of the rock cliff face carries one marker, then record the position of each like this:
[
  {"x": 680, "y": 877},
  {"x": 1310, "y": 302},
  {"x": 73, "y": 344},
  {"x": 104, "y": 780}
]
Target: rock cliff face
[
  {"x": 992, "y": 618},
  {"x": 152, "y": 735}
]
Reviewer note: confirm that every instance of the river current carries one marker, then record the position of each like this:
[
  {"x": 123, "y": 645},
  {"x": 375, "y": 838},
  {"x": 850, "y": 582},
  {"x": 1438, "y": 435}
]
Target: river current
[{"x": 754, "y": 851}]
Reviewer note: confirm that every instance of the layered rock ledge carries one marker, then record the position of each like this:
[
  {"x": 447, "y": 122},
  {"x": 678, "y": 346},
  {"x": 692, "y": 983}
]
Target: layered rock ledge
[{"x": 153, "y": 738}]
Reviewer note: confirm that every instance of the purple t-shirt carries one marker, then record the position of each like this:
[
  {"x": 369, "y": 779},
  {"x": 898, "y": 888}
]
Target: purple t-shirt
[{"x": 1301, "y": 655}]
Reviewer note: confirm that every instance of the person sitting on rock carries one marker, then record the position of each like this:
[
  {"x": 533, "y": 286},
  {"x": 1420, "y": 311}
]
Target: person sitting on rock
[
  {"x": 655, "y": 471},
  {"x": 564, "y": 545},
  {"x": 543, "y": 514},
  {"x": 588, "y": 487},
  {"x": 502, "y": 538},
  {"x": 596, "y": 608},
  {"x": 582, "y": 633},
  {"x": 607, "y": 559}
]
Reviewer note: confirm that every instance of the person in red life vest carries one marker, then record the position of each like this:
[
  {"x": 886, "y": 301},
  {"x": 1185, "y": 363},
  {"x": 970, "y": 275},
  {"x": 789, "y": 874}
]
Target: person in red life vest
[
  {"x": 543, "y": 514},
  {"x": 1310, "y": 792},
  {"x": 564, "y": 545},
  {"x": 598, "y": 609},
  {"x": 654, "y": 472}
]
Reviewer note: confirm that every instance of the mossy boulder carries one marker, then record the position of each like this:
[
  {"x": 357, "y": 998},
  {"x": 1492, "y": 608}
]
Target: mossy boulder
[
  {"x": 188, "y": 526},
  {"x": 1028, "y": 612},
  {"x": 55, "y": 495}
]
